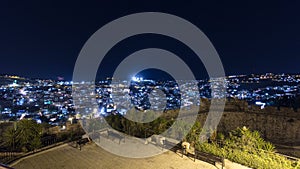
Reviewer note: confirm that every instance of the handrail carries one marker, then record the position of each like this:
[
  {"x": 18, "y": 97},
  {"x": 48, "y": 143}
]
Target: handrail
[{"x": 5, "y": 166}]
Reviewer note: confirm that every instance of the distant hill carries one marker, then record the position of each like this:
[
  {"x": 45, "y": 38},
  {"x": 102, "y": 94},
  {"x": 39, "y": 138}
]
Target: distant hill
[{"x": 5, "y": 80}]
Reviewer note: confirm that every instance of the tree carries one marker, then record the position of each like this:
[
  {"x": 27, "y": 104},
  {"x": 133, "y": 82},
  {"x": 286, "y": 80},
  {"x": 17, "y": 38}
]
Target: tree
[
  {"x": 10, "y": 138},
  {"x": 29, "y": 134},
  {"x": 194, "y": 135},
  {"x": 25, "y": 135},
  {"x": 246, "y": 140}
]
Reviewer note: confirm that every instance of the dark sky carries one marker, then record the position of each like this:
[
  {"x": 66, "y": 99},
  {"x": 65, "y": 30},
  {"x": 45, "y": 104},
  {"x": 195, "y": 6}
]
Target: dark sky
[{"x": 44, "y": 39}]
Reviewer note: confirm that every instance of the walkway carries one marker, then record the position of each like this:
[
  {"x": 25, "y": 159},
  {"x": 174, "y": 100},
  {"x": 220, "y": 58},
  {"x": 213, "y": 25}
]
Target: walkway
[{"x": 93, "y": 157}]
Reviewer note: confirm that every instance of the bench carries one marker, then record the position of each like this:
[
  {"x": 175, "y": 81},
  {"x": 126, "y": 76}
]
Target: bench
[
  {"x": 81, "y": 142},
  {"x": 195, "y": 154},
  {"x": 173, "y": 146},
  {"x": 115, "y": 135},
  {"x": 209, "y": 158}
]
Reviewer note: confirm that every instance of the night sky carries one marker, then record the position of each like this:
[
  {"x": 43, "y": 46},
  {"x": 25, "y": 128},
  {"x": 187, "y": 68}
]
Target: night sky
[{"x": 43, "y": 40}]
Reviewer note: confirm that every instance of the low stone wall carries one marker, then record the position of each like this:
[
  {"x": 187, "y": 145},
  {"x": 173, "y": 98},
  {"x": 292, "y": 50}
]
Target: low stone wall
[
  {"x": 281, "y": 127},
  {"x": 232, "y": 165}
]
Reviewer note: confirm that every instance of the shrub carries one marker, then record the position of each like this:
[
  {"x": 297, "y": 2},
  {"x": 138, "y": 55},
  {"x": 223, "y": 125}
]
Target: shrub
[{"x": 248, "y": 148}]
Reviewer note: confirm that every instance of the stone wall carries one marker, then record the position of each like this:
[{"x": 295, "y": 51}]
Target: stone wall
[{"x": 278, "y": 126}]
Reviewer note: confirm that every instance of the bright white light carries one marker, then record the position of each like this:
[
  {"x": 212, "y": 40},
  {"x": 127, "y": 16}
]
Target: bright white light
[
  {"x": 102, "y": 111},
  {"x": 22, "y": 116},
  {"x": 261, "y": 104},
  {"x": 22, "y": 92},
  {"x": 134, "y": 78},
  {"x": 53, "y": 119},
  {"x": 137, "y": 79}
]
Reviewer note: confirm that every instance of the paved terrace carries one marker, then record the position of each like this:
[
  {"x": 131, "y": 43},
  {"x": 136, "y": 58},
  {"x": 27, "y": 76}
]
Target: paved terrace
[{"x": 92, "y": 156}]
